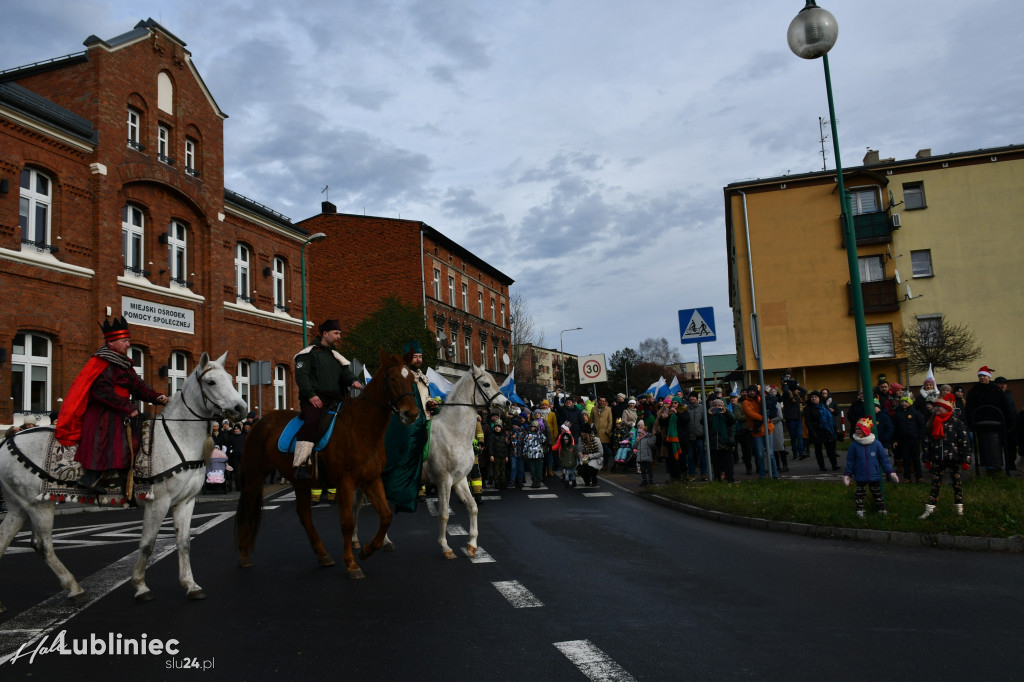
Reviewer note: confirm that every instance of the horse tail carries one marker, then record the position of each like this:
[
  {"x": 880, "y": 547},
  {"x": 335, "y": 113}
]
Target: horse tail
[{"x": 250, "y": 502}]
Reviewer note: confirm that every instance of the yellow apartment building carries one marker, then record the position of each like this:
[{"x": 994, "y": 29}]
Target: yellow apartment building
[{"x": 936, "y": 235}]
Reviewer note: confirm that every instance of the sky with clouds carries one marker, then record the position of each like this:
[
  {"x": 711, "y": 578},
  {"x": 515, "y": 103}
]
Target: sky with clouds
[{"x": 580, "y": 147}]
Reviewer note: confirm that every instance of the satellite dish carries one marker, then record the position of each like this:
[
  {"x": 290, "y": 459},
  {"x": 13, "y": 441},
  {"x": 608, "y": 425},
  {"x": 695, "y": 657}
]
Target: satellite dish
[
  {"x": 505, "y": 358},
  {"x": 898, "y": 280},
  {"x": 450, "y": 352}
]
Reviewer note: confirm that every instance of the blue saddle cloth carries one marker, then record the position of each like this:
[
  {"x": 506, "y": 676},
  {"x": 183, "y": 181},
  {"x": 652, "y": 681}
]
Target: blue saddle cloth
[{"x": 286, "y": 443}]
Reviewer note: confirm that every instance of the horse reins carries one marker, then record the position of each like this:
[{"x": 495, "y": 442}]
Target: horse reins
[{"x": 480, "y": 390}]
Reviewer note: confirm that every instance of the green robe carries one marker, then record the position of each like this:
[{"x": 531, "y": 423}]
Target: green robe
[{"x": 406, "y": 450}]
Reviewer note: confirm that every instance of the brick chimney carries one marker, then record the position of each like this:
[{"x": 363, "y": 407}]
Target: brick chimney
[{"x": 328, "y": 207}]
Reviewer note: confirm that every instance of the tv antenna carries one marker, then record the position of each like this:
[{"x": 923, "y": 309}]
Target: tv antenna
[
  {"x": 822, "y": 123},
  {"x": 326, "y": 190}
]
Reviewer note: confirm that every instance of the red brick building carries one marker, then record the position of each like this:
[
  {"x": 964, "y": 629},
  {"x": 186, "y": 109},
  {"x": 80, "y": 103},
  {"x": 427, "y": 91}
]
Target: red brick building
[
  {"x": 112, "y": 199},
  {"x": 465, "y": 300}
]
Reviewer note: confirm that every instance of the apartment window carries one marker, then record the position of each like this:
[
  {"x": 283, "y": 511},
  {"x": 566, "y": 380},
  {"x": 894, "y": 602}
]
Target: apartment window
[
  {"x": 177, "y": 252},
  {"x": 913, "y": 195},
  {"x": 864, "y": 200},
  {"x": 872, "y": 268},
  {"x": 138, "y": 358},
  {"x": 133, "y": 130},
  {"x": 921, "y": 263},
  {"x": 242, "y": 379},
  {"x": 480, "y": 304},
  {"x": 133, "y": 230},
  {"x": 163, "y": 144},
  {"x": 34, "y": 208},
  {"x": 177, "y": 372},
  {"x": 502, "y": 314},
  {"x": 929, "y": 330},
  {"x": 455, "y": 346},
  {"x": 31, "y": 359},
  {"x": 451, "y": 291},
  {"x": 880, "y": 341},
  {"x": 242, "y": 273},
  {"x": 492, "y": 310},
  {"x": 483, "y": 353},
  {"x": 437, "y": 284},
  {"x": 277, "y": 272},
  {"x": 190, "y": 158},
  {"x": 280, "y": 387},
  {"x": 494, "y": 356},
  {"x": 466, "y": 350},
  {"x": 465, "y": 297}
]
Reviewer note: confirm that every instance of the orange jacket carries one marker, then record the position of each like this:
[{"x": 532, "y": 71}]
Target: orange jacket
[{"x": 752, "y": 411}]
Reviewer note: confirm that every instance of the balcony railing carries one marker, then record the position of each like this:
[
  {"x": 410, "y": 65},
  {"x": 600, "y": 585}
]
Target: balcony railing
[
  {"x": 870, "y": 228},
  {"x": 879, "y": 297}
]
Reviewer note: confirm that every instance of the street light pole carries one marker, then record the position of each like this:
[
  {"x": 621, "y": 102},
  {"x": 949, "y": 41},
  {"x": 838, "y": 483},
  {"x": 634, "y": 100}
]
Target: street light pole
[
  {"x": 302, "y": 260},
  {"x": 812, "y": 33},
  {"x": 561, "y": 347}
]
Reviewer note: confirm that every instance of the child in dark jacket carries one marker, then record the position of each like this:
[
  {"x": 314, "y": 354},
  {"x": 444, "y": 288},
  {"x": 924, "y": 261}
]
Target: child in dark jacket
[
  {"x": 865, "y": 463},
  {"x": 565, "y": 448}
]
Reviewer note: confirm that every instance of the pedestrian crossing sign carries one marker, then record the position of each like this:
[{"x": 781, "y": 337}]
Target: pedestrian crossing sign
[{"x": 697, "y": 325}]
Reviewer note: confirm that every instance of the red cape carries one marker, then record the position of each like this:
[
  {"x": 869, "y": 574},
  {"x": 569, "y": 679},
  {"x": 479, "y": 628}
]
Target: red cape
[{"x": 69, "y": 422}]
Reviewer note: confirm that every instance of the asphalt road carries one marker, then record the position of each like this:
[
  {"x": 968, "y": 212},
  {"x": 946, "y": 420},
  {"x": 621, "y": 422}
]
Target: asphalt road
[{"x": 574, "y": 584}]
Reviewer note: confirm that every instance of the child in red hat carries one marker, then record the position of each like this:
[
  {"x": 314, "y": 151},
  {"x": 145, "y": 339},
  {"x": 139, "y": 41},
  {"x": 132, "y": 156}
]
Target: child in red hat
[
  {"x": 946, "y": 447},
  {"x": 865, "y": 462}
]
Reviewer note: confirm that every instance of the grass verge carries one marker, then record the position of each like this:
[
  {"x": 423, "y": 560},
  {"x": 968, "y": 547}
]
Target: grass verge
[{"x": 993, "y": 507}]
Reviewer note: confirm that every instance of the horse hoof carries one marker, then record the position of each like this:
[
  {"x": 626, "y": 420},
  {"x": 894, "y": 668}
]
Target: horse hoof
[
  {"x": 355, "y": 544},
  {"x": 325, "y": 560},
  {"x": 79, "y": 598},
  {"x": 245, "y": 563},
  {"x": 449, "y": 554},
  {"x": 471, "y": 550},
  {"x": 389, "y": 546},
  {"x": 145, "y": 596},
  {"x": 196, "y": 595},
  {"x": 356, "y": 574}
]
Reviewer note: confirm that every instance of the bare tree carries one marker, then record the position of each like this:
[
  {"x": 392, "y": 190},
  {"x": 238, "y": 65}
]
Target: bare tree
[
  {"x": 938, "y": 343},
  {"x": 524, "y": 333},
  {"x": 658, "y": 351}
]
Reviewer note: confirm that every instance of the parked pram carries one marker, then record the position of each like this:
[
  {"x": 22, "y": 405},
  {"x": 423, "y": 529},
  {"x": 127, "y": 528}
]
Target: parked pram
[{"x": 216, "y": 473}]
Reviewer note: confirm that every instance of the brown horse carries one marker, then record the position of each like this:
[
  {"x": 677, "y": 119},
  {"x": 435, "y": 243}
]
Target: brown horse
[{"x": 354, "y": 458}]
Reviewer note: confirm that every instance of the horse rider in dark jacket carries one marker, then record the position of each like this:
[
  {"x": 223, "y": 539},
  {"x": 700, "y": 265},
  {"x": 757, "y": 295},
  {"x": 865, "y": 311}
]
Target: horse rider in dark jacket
[{"x": 324, "y": 377}]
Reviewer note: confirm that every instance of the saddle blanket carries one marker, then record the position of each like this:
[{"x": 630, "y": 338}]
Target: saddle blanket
[
  {"x": 286, "y": 443},
  {"x": 60, "y": 464}
]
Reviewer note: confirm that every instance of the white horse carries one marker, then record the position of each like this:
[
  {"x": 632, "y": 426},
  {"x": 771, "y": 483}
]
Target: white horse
[
  {"x": 178, "y": 434},
  {"x": 451, "y": 448}
]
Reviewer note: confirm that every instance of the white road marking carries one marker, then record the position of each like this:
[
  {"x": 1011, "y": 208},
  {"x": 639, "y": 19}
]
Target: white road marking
[
  {"x": 490, "y": 497},
  {"x": 52, "y": 613},
  {"x": 593, "y": 662},
  {"x": 543, "y": 496},
  {"x": 482, "y": 557},
  {"x": 517, "y": 595},
  {"x": 598, "y": 494},
  {"x": 96, "y": 534},
  {"x": 287, "y": 497},
  {"x": 271, "y": 506},
  {"x": 456, "y": 529}
]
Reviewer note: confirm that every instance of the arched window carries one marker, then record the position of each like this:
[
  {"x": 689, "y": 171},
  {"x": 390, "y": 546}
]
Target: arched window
[
  {"x": 243, "y": 379},
  {"x": 133, "y": 233},
  {"x": 177, "y": 252},
  {"x": 280, "y": 387},
  {"x": 280, "y": 300},
  {"x": 34, "y": 209},
  {"x": 31, "y": 360},
  {"x": 134, "y": 126},
  {"x": 177, "y": 372},
  {"x": 164, "y": 92},
  {"x": 242, "y": 258}
]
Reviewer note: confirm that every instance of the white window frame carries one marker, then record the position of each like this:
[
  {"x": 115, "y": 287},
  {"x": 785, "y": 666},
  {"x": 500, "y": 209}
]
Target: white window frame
[
  {"x": 33, "y": 201},
  {"x": 277, "y": 275},
  {"x": 483, "y": 353},
  {"x": 492, "y": 310},
  {"x": 880, "y": 341},
  {"x": 467, "y": 349},
  {"x": 480, "y": 303},
  {"x": 177, "y": 371},
  {"x": 913, "y": 196},
  {"x": 465, "y": 297},
  {"x": 451, "y": 290},
  {"x": 133, "y": 239},
  {"x": 494, "y": 356},
  {"x": 859, "y": 203},
  {"x": 869, "y": 273},
  {"x": 134, "y": 125},
  {"x": 502, "y": 314},
  {"x": 138, "y": 358},
  {"x": 177, "y": 252},
  {"x": 437, "y": 284},
  {"x": 242, "y": 280},
  {"x": 915, "y": 262},
  {"x": 454, "y": 341},
  {"x": 243, "y": 380},
  {"x": 190, "y": 157},
  {"x": 32, "y": 365},
  {"x": 163, "y": 143},
  {"x": 280, "y": 387}
]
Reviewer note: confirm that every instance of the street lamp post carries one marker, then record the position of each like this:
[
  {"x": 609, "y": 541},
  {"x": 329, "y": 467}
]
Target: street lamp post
[
  {"x": 561, "y": 347},
  {"x": 812, "y": 33},
  {"x": 302, "y": 260}
]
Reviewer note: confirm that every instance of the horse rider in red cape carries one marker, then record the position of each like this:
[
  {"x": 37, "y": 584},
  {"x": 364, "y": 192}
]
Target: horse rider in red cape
[
  {"x": 100, "y": 400},
  {"x": 324, "y": 377}
]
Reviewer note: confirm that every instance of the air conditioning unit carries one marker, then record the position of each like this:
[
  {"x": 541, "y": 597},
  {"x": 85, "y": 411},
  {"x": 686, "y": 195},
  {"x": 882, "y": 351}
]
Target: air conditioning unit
[{"x": 895, "y": 220}]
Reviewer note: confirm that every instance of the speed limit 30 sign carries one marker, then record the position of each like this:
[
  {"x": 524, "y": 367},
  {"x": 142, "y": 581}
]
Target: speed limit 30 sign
[{"x": 592, "y": 369}]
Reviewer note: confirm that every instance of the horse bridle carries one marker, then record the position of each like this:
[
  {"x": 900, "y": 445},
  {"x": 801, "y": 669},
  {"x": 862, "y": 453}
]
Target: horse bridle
[
  {"x": 480, "y": 390},
  {"x": 392, "y": 402}
]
